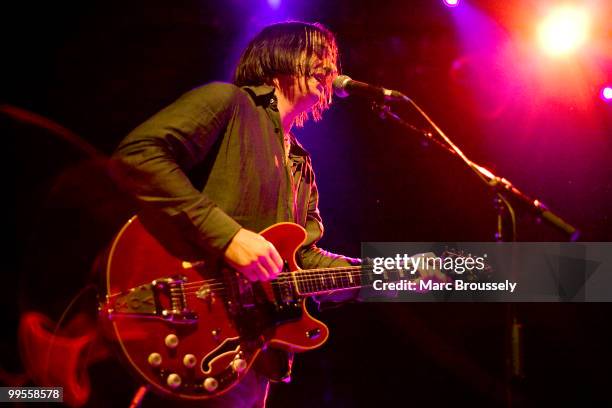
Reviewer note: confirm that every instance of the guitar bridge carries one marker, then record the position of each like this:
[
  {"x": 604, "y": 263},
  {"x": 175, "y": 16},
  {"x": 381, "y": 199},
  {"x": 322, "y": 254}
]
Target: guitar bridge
[{"x": 162, "y": 298}]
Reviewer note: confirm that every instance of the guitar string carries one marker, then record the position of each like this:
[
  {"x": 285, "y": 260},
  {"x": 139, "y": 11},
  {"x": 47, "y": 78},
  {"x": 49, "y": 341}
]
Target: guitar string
[
  {"x": 307, "y": 284},
  {"x": 302, "y": 274},
  {"x": 286, "y": 275},
  {"x": 334, "y": 276},
  {"x": 306, "y": 278},
  {"x": 314, "y": 277},
  {"x": 301, "y": 277},
  {"x": 315, "y": 273},
  {"x": 307, "y": 292},
  {"x": 304, "y": 293}
]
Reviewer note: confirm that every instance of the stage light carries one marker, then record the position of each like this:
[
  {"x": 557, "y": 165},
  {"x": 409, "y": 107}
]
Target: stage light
[
  {"x": 563, "y": 30},
  {"x": 274, "y": 4},
  {"x": 606, "y": 93},
  {"x": 451, "y": 3}
]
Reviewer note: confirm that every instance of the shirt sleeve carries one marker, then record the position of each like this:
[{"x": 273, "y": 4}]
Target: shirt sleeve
[{"x": 152, "y": 161}]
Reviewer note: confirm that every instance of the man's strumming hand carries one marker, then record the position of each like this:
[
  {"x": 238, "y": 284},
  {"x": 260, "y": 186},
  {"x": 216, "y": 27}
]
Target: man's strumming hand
[{"x": 253, "y": 256}]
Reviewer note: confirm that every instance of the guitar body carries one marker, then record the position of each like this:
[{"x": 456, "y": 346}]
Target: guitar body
[{"x": 191, "y": 330}]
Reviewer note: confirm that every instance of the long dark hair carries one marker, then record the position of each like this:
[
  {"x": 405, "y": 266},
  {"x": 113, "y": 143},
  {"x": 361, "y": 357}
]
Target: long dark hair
[{"x": 286, "y": 49}]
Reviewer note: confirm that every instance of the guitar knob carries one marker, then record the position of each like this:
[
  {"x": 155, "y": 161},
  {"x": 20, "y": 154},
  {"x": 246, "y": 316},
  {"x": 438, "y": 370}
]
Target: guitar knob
[
  {"x": 171, "y": 341},
  {"x": 174, "y": 381},
  {"x": 210, "y": 384},
  {"x": 155, "y": 359},
  {"x": 189, "y": 360},
  {"x": 239, "y": 365}
]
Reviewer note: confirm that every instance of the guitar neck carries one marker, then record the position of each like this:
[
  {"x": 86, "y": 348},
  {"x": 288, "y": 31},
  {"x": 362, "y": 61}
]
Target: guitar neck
[{"x": 311, "y": 282}]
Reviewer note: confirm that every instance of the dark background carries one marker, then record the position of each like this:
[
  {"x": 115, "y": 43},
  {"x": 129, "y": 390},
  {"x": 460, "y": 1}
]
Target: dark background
[{"x": 101, "y": 68}]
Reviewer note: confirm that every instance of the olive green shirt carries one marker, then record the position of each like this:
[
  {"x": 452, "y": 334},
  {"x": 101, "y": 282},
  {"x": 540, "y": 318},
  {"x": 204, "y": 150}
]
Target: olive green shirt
[{"x": 215, "y": 161}]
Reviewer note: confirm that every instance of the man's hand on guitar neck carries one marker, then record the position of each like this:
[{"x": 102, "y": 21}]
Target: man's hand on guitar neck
[{"x": 253, "y": 256}]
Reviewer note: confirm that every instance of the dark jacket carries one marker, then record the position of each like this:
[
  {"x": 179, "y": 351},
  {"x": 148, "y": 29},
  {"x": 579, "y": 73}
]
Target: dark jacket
[{"x": 213, "y": 162}]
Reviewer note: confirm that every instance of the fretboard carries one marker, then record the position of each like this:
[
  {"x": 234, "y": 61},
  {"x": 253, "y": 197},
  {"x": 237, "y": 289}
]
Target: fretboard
[{"x": 318, "y": 281}]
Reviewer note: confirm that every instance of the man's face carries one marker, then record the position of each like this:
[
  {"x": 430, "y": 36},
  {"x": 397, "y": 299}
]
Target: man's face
[
  {"x": 306, "y": 91},
  {"x": 321, "y": 75}
]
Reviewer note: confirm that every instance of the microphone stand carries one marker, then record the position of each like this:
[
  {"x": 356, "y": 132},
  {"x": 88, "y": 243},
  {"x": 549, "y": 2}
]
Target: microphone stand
[{"x": 502, "y": 188}]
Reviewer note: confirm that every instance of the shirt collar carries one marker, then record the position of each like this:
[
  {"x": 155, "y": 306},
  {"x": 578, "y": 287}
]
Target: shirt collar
[{"x": 263, "y": 95}]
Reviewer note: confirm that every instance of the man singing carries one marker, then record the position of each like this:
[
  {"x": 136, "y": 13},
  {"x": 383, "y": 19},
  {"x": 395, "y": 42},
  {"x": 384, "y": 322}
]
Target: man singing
[{"x": 221, "y": 163}]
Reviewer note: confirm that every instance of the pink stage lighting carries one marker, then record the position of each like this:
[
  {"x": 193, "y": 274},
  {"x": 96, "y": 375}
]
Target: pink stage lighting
[
  {"x": 564, "y": 30},
  {"x": 451, "y": 3},
  {"x": 606, "y": 93}
]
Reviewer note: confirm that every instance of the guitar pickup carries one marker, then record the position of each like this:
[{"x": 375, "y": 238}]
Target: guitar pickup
[
  {"x": 162, "y": 298},
  {"x": 313, "y": 334}
]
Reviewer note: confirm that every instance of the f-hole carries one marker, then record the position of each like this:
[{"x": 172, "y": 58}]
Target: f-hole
[{"x": 228, "y": 346}]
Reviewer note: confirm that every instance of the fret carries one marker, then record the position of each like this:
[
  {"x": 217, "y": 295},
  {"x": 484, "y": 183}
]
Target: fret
[
  {"x": 309, "y": 282},
  {"x": 343, "y": 280},
  {"x": 329, "y": 281},
  {"x": 312, "y": 281},
  {"x": 357, "y": 277},
  {"x": 294, "y": 284},
  {"x": 298, "y": 282},
  {"x": 303, "y": 283}
]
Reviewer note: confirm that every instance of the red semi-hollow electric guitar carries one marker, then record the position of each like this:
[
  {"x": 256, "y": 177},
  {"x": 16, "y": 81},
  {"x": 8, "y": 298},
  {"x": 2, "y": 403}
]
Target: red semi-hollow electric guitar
[{"x": 193, "y": 333}]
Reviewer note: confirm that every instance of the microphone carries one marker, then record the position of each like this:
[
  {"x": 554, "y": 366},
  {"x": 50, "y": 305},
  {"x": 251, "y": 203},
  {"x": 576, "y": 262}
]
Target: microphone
[{"x": 345, "y": 86}]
